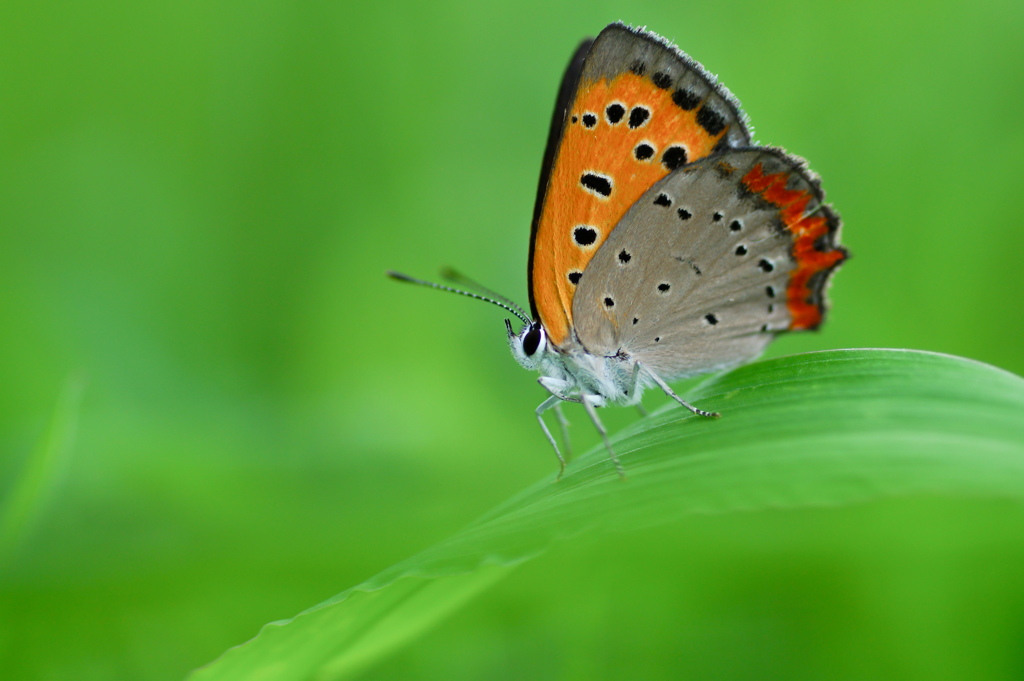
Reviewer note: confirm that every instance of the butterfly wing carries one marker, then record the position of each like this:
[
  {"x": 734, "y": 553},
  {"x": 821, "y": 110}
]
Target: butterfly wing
[
  {"x": 710, "y": 264},
  {"x": 566, "y": 91},
  {"x": 638, "y": 109}
]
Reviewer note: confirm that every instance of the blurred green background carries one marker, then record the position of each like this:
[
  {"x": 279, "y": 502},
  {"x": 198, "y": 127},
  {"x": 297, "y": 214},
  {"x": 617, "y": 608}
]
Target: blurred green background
[{"x": 198, "y": 201}]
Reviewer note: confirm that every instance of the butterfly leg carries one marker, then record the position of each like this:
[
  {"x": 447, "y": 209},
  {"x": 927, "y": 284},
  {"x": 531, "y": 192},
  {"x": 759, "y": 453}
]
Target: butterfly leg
[
  {"x": 635, "y": 383},
  {"x": 589, "y": 402},
  {"x": 544, "y": 406},
  {"x": 563, "y": 423},
  {"x": 559, "y": 388},
  {"x": 668, "y": 391}
]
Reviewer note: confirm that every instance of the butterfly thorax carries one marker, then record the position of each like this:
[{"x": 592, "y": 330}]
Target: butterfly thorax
[{"x": 569, "y": 371}]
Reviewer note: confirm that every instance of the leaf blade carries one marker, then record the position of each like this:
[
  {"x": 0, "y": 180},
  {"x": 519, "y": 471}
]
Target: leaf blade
[{"x": 821, "y": 429}]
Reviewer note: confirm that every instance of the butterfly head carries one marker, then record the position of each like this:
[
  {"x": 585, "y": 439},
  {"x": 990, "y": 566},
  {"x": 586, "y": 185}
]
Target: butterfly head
[{"x": 529, "y": 346}]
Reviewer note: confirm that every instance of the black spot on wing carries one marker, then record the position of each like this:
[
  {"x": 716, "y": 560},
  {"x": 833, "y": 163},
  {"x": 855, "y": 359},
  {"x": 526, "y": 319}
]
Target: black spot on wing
[
  {"x": 608, "y": 302},
  {"x": 662, "y": 200},
  {"x": 615, "y": 112},
  {"x": 687, "y": 100},
  {"x": 741, "y": 250},
  {"x": 597, "y": 183},
  {"x": 575, "y": 277},
  {"x": 674, "y": 157},
  {"x": 638, "y": 116},
  {"x": 584, "y": 236},
  {"x": 710, "y": 120},
  {"x": 643, "y": 151},
  {"x": 624, "y": 256},
  {"x": 711, "y": 319},
  {"x": 766, "y": 265},
  {"x": 638, "y": 67},
  {"x": 684, "y": 214},
  {"x": 589, "y": 120},
  {"x": 662, "y": 80}
]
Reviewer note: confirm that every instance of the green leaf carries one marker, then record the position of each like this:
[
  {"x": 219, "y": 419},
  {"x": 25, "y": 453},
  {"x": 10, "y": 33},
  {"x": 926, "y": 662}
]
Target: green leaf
[{"x": 830, "y": 428}]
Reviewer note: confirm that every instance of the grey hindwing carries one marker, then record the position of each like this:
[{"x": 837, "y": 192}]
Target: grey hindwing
[{"x": 694, "y": 277}]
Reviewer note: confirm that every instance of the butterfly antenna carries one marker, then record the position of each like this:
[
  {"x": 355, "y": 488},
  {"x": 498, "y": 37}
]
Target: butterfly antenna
[
  {"x": 514, "y": 309},
  {"x": 459, "y": 278}
]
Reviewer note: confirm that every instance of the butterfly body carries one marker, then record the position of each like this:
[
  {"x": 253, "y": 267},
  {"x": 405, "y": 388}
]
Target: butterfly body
[
  {"x": 664, "y": 243},
  {"x": 570, "y": 371}
]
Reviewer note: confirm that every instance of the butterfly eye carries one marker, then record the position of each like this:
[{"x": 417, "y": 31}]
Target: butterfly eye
[{"x": 532, "y": 341}]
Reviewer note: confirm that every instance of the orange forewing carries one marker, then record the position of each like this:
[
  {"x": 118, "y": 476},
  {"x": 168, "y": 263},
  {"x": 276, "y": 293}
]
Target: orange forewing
[
  {"x": 807, "y": 233},
  {"x": 609, "y": 150}
]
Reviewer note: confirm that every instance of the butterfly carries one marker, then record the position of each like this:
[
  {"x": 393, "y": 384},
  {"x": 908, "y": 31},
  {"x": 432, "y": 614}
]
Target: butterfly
[{"x": 664, "y": 242}]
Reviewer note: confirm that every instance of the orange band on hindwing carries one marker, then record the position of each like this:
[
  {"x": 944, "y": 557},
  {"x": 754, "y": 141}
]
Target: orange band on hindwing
[{"x": 803, "y": 294}]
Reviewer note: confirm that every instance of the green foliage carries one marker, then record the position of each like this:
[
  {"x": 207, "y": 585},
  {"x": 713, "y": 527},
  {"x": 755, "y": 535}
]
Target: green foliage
[{"x": 816, "y": 430}]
